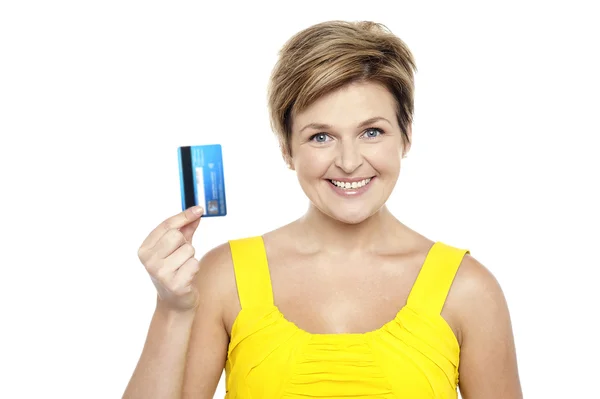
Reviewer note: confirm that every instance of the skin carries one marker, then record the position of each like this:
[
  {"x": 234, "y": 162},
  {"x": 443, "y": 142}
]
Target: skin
[{"x": 348, "y": 264}]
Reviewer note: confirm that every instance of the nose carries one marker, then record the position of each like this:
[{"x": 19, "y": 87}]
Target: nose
[{"x": 349, "y": 157}]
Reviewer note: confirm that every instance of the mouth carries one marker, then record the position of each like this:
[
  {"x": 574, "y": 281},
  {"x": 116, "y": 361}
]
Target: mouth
[{"x": 353, "y": 185}]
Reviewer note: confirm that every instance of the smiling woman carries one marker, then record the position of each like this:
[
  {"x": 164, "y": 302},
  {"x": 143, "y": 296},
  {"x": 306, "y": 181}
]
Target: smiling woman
[{"x": 346, "y": 301}]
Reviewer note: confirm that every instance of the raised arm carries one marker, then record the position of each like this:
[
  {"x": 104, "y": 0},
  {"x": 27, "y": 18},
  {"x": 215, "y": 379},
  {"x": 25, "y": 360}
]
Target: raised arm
[{"x": 187, "y": 297}]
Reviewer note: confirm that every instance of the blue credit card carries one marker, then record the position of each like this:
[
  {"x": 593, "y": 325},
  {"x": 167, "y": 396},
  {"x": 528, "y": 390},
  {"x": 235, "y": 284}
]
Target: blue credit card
[{"x": 201, "y": 178}]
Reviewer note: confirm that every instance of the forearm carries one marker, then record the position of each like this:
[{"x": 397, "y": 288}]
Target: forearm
[{"x": 159, "y": 372}]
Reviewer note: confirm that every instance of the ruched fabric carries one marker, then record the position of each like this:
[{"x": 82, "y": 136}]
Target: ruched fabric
[{"x": 415, "y": 355}]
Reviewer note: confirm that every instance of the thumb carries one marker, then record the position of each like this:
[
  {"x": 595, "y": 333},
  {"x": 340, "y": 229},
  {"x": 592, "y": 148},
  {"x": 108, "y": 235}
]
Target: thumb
[{"x": 189, "y": 229}]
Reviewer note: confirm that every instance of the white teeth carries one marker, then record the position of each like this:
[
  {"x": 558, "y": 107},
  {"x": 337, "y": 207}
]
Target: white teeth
[{"x": 353, "y": 185}]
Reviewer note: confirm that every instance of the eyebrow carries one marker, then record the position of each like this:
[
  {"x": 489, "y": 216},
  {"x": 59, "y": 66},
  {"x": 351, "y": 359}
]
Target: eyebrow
[{"x": 323, "y": 126}]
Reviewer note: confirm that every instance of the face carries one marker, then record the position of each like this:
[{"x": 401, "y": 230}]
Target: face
[{"x": 346, "y": 151}]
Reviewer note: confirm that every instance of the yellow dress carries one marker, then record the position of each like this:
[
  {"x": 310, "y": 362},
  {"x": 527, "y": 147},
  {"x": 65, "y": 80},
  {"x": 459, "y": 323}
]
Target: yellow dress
[{"x": 415, "y": 355}]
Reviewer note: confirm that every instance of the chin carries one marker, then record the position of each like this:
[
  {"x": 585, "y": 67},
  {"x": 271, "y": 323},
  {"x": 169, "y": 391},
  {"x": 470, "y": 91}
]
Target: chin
[{"x": 349, "y": 216}]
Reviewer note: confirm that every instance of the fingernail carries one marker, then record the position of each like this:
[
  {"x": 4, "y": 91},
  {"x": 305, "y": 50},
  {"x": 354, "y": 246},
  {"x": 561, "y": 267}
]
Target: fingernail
[{"x": 198, "y": 210}]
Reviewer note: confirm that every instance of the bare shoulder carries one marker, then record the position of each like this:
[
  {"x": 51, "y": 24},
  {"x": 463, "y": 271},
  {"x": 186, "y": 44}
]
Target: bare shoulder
[
  {"x": 216, "y": 269},
  {"x": 216, "y": 260},
  {"x": 475, "y": 281},
  {"x": 215, "y": 280},
  {"x": 488, "y": 363},
  {"x": 475, "y": 292}
]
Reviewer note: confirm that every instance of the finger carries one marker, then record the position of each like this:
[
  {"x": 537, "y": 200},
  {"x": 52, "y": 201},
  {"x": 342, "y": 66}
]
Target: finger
[
  {"x": 189, "y": 230},
  {"x": 179, "y": 257},
  {"x": 168, "y": 244},
  {"x": 182, "y": 281},
  {"x": 164, "y": 269},
  {"x": 174, "y": 222}
]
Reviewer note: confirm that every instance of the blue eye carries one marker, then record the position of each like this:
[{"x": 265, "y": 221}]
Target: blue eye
[
  {"x": 373, "y": 132},
  {"x": 319, "y": 138}
]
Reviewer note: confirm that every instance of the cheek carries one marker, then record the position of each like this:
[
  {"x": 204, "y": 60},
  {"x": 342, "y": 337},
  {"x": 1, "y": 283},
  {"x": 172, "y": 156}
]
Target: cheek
[
  {"x": 385, "y": 158},
  {"x": 311, "y": 163}
]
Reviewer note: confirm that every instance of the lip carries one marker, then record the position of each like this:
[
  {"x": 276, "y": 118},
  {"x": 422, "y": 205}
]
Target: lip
[{"x": 351, "y": 192}]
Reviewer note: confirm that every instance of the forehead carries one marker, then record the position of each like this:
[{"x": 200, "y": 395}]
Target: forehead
[{"x": 348, "y": 106}]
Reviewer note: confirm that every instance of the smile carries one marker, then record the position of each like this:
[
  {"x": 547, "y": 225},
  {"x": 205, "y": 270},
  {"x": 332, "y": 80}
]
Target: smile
[
  {"x": 350, "y": 189},
  {"x": 350, "y": 185}
]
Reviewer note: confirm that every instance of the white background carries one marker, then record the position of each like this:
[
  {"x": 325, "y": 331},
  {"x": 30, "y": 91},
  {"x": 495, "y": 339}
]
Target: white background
[{"x": 95, "y": 98}]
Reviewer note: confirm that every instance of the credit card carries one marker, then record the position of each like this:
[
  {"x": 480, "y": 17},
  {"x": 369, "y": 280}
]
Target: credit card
[{"x": 201, "y": 178}]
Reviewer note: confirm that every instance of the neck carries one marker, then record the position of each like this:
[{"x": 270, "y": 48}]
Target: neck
[{"x": 326, "y": 233}]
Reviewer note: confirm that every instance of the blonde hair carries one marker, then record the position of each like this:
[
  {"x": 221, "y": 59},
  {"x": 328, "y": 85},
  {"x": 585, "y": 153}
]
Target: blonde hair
[{"x": 329, "y": 55}]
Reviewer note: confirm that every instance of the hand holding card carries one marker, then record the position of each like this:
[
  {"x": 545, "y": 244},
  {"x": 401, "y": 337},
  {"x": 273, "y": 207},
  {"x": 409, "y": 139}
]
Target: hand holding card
[{"x": 167, "y": 254}]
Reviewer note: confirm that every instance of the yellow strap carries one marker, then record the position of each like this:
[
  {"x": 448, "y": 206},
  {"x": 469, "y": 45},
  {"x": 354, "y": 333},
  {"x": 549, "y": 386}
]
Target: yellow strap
[
  {"x": 435, "y": 278},
  {"x": 251, "y": 271}
]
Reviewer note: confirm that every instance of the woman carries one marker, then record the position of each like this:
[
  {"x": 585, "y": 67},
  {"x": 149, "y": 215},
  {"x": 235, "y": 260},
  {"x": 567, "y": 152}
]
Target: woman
[{"x": 346, "y": 301}]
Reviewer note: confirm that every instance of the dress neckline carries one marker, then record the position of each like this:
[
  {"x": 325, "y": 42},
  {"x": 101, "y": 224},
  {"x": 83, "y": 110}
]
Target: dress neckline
[
  {"x": 349, "y": 335},
  {"x": 346, "y": 334}
]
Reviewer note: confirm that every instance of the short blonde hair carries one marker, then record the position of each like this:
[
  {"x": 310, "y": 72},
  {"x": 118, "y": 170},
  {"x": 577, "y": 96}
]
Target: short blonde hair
[{"x": 329, "y": 55}]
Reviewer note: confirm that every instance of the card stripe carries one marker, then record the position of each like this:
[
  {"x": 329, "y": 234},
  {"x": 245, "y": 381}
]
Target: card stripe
[{"x": 187, "y": 177}]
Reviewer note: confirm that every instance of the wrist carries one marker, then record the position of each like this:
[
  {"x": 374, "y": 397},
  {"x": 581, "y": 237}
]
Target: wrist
[{"x": 170, "y": 314}]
